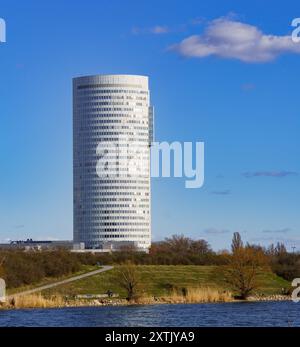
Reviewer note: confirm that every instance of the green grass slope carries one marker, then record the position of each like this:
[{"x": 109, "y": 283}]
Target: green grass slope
[{"x": 157, "y": 280}]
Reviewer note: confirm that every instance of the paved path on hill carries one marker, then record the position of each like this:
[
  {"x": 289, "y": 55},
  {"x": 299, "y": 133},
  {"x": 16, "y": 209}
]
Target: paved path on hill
[{"x": 69, "y": 280}]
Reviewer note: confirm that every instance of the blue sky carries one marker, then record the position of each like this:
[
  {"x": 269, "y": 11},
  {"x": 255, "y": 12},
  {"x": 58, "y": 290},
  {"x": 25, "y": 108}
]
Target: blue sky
[{"x": 243, "y": 103}]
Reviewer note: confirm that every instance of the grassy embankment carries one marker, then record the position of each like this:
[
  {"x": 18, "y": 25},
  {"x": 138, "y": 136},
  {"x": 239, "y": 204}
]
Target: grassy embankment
[
  {"x": 159, "y": 280},
  {"x": 202, "y": 284}
]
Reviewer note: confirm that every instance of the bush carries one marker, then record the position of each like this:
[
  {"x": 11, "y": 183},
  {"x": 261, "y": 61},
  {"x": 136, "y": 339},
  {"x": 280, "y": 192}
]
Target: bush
[{"x": 24, "y": 268}]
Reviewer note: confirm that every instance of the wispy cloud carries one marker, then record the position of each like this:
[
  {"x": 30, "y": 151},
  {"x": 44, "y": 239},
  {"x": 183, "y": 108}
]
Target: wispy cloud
[
  {"x": 167, "y": 29},
  {"x": 231, "y": 39},
  {"x": 214, "y": 231},
  {"x": 277, "y": 231},
  {"x": 221, "y": 192},
  {"x": 276, "y": 174},
  {"x": 156, "y": 30}
]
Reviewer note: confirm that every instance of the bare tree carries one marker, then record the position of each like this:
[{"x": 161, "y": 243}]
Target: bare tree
[
  {"x": 237, "y": 242},
  {"x": 178, "y": 243},
  {"x": 127, "y": 277},
  {"x": 182, "y": 245}
]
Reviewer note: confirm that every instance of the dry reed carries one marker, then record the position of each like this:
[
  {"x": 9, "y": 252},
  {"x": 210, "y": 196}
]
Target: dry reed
[
  {"x": 35, "y": 301},
  {"x": 199, "y": 295},
  {"x": 189, "y": 296}
]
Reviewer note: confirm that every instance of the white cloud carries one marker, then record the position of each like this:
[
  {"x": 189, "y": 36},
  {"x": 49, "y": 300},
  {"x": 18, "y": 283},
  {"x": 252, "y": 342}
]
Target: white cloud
[{"x": 232, "y": 39}]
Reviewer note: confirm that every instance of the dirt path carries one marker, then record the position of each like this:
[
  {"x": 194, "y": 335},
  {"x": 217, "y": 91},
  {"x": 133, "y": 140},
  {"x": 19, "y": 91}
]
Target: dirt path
[{"x": 55, "y": 284}]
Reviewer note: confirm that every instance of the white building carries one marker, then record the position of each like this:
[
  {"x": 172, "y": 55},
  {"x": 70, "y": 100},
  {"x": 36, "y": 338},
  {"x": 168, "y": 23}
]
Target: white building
[{"x": 112, "y": 136}]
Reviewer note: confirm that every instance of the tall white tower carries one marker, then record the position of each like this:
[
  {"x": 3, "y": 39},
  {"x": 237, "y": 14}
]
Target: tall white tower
[{"x": 112, "y": 134}]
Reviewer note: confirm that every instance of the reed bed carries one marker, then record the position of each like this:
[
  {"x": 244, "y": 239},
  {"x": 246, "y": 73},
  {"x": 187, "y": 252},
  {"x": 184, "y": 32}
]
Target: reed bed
[
  {"x": 34, "y": 301},
  {"x": 186, "y": 296},
  {"x": 189, "y": 296},
  {"x": 206, "y": 294},
  {"x": 199, "y": 295}
]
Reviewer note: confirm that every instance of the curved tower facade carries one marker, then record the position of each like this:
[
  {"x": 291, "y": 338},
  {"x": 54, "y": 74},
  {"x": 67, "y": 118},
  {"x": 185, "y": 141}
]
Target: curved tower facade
[{"x": 112, "y": 134}]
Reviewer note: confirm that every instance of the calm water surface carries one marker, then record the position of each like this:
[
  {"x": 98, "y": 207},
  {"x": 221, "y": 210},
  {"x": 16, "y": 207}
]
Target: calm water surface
[{"x": 195, "y": 315}]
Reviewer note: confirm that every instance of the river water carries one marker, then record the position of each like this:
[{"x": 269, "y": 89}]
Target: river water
[{"x": 262, "y": 314}]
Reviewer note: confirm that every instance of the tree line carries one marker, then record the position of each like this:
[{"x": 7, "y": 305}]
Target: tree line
[{"x": 19, "y": 268}]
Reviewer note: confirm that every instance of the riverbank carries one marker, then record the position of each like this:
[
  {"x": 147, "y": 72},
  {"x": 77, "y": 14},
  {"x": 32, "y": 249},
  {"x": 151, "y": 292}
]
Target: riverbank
[
  {"x": 190, "y": 295},
  {"x": 38, "y": 301},
  {"x": 263, "y": 298}
]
